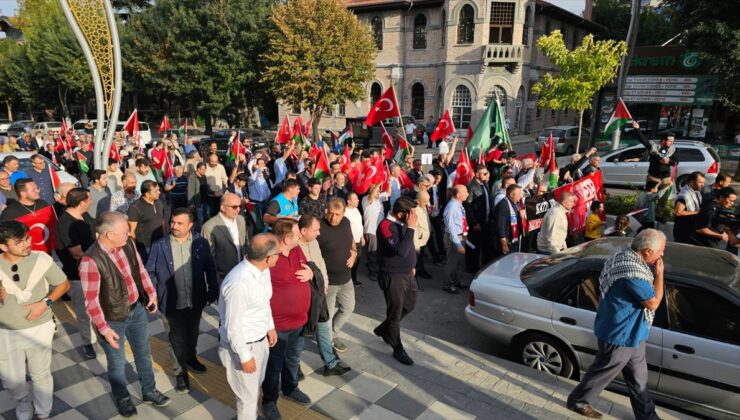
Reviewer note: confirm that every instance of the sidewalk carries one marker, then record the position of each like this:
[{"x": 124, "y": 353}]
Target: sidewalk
[{"x": 447, "y": 382}]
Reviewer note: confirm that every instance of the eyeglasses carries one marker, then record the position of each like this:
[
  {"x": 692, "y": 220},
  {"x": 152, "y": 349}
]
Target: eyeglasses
[
  {"x": 233, "y": 207},
  {"x": 16, "y": 276}
]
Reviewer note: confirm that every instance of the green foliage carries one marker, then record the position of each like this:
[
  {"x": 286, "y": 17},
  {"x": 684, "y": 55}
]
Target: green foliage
[
  {"x": 583, "y": 71},
  {"x": 319, "y": 55},
  {"x": 623, "y": 204},
  {"x": 655, "y": 24}
]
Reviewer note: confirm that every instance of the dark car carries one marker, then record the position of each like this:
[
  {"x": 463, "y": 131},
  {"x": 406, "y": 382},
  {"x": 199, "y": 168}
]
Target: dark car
[
  {"x": 221, "y": 138},
  {"x": 19, "y": 127}
]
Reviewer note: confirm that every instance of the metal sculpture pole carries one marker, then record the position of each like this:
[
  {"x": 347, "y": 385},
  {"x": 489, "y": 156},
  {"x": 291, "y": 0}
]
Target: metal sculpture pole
[{"x": 94, "y": 26}]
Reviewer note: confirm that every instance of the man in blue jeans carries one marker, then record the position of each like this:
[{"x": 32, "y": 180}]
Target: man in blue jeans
[
  {"x": 631, "y": 286},
  {"x": 118, "y": 308}
]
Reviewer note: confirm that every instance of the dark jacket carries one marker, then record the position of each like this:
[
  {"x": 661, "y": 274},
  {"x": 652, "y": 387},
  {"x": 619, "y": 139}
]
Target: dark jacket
[
  {"x": 222, "y": 247},
  {"x": 113, "y": 295},
  {"x": 475, "y": 206},
  {"x": 318, "y": 311},
  {"x": 161, "y": 270},
  {"x": 657, "y": 168},
  {"x": 396, "y": 252},
  {"x": 502, "y": 221}
]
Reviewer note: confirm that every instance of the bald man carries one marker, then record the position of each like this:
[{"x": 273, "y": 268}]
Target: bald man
[
  {"x": 226, "y": 232},
  {"x": 60, "y": 197}
]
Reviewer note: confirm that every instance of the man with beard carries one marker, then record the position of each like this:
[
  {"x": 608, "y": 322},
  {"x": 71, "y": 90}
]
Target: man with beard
[{"x": 122, "y": 199}]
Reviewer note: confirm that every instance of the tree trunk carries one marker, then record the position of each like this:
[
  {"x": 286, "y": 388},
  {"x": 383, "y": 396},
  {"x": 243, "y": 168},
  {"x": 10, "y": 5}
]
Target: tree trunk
[
  {"x": 316, "y": 115},
  {"x": 9, "y": 106},
  {"x": 209, "y": 123},
  {"x": 580, "y": 127}
]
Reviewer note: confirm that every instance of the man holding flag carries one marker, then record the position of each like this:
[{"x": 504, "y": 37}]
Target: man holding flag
[{"x": 662, "y": 158}]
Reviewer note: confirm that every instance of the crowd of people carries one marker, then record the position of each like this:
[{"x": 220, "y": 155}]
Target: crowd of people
[{"x": 271, "y": 238}]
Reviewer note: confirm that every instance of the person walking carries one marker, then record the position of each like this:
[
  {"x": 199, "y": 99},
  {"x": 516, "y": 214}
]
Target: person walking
[
  {"x": 687, "y": 206},
  {"x": 146, "y": 218},
  {"x": 26, "y": 323},
  {"x": 373, "y": 214},
  {"x": 508, "y": 221},
  {"x": 247, "y": 328},
  {"x": 352, "y": 213},
  {"x": 397, "y": 262},
  {"x": 456, "y": 232},
  {"x": 631, "y": 288},
  {"x": 339, "y": 251},
  {"x": 554, "y": 230},
  {"x": 183, "y": 272},
  {"x": 479, "y": 210},
  {"x": 99, "y": 192},
  {"x": 662, "y": 157},
  {"x": 118, "y": 308},
  {"x": 227, "y": 235}
]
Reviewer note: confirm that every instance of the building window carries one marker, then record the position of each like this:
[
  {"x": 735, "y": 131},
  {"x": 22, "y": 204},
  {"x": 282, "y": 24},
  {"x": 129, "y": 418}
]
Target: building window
[
  {"x": 417, "y": 101},
  {"x": 341, "y": 110},
  {"x": 547, "y": 27},
  {"x": 501, "y": 92},
  {"x": 574, "y": 45},
  {"x": 502, "y": 23},
  {"x": 444, "y": 28},
  {"x": 462, "y": 106},
  {"x": 296, "y": 110},
  {"x": 377, "y": 27},
  {"x": 375, "y": 92},
  {"x": 329, "y": 111},
  {"x": 527, "y": 25},
  {"x": 466, "y": 25},
  {"x": 420, "y": 32}
]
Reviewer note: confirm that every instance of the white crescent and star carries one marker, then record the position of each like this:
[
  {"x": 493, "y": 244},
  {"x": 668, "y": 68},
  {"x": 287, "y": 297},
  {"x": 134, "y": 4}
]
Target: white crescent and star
[
  {"x": 43, "y": 229},
  {"x": 380, "y": 105},
  {"x": 443, "y": 127},
  {"x": 372, "y": 175}
]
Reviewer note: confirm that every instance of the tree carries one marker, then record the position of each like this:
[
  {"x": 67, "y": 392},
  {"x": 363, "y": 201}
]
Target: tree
[
  {"x": 614, "y": 15},
  {"x": 319, "y": 55},
  {"x": 583, "y": 72}
]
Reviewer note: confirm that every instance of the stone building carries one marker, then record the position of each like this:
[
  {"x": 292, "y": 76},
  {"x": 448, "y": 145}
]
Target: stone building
[{"x": 456, "y": 55}]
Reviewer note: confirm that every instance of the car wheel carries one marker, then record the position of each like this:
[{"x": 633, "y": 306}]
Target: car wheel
[
  {"x": 545, "y": 354},
  {"x": 569, "y": 150}
]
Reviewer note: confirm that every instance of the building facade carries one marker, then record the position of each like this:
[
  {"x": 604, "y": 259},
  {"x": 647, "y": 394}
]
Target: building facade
[{"x": 457, "y": 55}]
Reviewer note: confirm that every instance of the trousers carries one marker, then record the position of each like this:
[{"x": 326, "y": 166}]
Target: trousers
[
  {"x": 610, "y": 360},
  {"x": 184, "y": 327},
  {"x": 246, "y": 386},
  {"x": 342, "y": 299},
  {"x": 454, "y": 263},
  {"x": 87, "y": 334},
  {"x": 282, "y": 365},
  {"x": 31, "y": 346},
  {"x": 400, "y": 299}
]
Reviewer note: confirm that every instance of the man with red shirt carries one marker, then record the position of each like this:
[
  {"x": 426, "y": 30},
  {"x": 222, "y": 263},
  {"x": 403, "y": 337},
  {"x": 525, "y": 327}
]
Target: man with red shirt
[{"x": 291, "y": 298}]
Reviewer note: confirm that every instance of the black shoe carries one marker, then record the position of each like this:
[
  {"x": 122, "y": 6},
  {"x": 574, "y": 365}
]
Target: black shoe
[
  {"x": 452, "y": 289},
  {"x": 381, "y": 335},
  {"x": 462, "y": 286},
  {"x": 298, "y": 396},
  {"x": 403, "y": 357},
  {"x": 89, "y": 351},
  {"x": 439, "y": 263},
  {"x": 336, "y": 370},
  {"x": 356, "y": 283},
  {"x": 301, "y": 376},
  {"x": 423, "y": 274},
  {"x": 271, "y": 412},
  {"x": 157, "y": 399},
  {"x": 126, "y": 407},
  {"x": 182, "y": 386},
  {"x": 196, "y": 365}
]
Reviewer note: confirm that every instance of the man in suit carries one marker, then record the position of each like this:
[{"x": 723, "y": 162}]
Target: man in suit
[
  {"x": 183, "y": 271},
  {"x": 507, "y": 221},
  {"x": 227, "y": 235},
  {"x": 479, "y": 209}
]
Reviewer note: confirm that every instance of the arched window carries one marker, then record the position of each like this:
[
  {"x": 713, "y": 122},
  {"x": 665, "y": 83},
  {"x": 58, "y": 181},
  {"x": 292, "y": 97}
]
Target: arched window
[
  {"x": 501, "y": 92},
  {"x": 444, "y": 28},
  {"x": 420, "y": 32},
  {"x": 375, "y": 92},
  {"x": 466, "y": 25},
  {"x": 462, "y": 106},
  {"x": 527, "y": 25},
  {"x": 417, "y": 101},
  {"x": 376, "y": 24}
]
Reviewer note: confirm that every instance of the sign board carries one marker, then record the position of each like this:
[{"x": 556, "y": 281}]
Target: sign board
[
  {"x": 426, "y": 158},
  {"x": 679, "y": 90}
]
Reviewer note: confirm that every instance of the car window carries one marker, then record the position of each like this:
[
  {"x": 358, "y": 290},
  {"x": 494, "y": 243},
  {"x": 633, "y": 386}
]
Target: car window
[
  {"x": 143, "y": 126},
  {"x": 582, "y": 290},
  {"x": 699, "y": 312},
  {"x": 631, "y": 153},
  {"x": 686, "y": 154}
]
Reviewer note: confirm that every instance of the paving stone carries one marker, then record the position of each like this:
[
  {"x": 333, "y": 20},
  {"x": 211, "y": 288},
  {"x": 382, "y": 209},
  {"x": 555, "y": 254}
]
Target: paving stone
[
  {"x": 336, "y": 381},
  {"x": 70, "y": 414},
  {"x": 540, "y": 412},
  {"x": 441, "y": 411},
  {"x": 182, "y": 403},
  {"x": 376, "y": 412},
  {"x": 368, "y": 387},
  {"x": 60, "y": 361},
  {"x": 340, "y": 405},
  {"x": 70, "y": 376},
  {"x": 211, "y": 409},
  {"x": 315, "y": 388},
  {"x": 96, "y": 366},
  {"x": 63, "y": 343},
  {"x": 83, "y": 391},
  {"x": 406, "y": 402},
  {"x": 312, "y": 360},
  {"x": 148, "y": 412},
  {"x": 206, "y": 342},
  {"x": 102, "y": 407}
]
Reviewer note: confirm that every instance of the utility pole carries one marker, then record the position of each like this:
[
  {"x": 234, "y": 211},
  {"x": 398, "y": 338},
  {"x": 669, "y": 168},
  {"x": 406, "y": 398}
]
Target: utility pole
[{"x": 624, "y": 68}]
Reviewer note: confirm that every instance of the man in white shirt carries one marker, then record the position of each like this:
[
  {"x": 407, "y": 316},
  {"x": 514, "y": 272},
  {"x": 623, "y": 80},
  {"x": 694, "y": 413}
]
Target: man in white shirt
[
  {"x": 217, "y": 180},
  {"x": 352, "y": 213},
  {"x": 554, "y": 230},
  {"x": 247, "y": 327},
  {"x": 374, "y": 213},
  {"x": 410, "y": 130},
  {"x": 395, "y": 184}
]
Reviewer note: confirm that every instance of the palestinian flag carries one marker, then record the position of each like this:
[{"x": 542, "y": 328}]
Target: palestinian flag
[
  {"x": 184, "y": 129},
  {"x": 298, "y": 137},
  {"x": 618, "y": 119},
  {"x": 322, "y": 167},
  {"x": 82, "y": 161},
  {"x": 346, "y": 135},
  {"x": 236, "y": 148},
  {"x": 404, "y": 149}
]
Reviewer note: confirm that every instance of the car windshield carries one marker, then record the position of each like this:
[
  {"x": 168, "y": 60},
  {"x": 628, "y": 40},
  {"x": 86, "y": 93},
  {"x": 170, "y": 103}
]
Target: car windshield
[
  {"x": 546, "y": 266},
  {"x": 54, "y": 125},
  {"x": 555, "y": 133}
]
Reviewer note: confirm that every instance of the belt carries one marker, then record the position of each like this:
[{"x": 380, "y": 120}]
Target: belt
[
  {"x": 131, "y": 308},
  {"x": 257, "y": 341}
]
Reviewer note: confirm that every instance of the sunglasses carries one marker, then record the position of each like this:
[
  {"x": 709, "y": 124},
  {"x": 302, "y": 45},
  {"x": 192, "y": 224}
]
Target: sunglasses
[
  {"x": 16, "y": 276},
  {"x": 233, "y": 207}
]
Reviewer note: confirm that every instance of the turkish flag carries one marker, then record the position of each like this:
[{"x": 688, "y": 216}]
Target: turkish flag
[
  {"x": 464, "y": 171},
  {"x": 165, "y": 125},
  {"x": 385, "y": 107},
  {"x": 365, "y": 177},
  {"x": 387, "y": 143},
  {"x": 547, "y": 151},
  {"x": 40, "y": 225},
  {"x": 470, "y": 134},
  {"x": 404, "y": 181},
  {"x": 444, "y": 128},
  {"x": 284, "y": 135},
  {"x": 345, "y": 161}
]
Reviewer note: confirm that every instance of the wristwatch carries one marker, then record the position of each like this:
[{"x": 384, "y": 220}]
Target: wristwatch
[{"x": 48, "y": 302}]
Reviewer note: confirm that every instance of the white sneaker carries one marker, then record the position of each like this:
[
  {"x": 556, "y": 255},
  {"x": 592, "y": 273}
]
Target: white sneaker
[{"x": 24, "y": 409}]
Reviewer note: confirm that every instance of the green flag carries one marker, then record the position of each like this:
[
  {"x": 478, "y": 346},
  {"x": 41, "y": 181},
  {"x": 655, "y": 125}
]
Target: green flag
[
  {"x": 481, "y": 139},
  {"x": 500, "y": 132}
]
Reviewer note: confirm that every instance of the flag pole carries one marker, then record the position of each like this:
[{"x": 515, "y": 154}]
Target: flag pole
[{"x": 400, "y": 117}]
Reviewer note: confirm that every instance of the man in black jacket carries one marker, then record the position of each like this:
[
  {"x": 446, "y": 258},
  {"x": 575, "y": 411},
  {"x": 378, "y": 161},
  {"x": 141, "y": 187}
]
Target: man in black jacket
[
  {"x": 397, "y": 262},
  {"x": 662, "y": 157},
  {"x": 508, "y": 221},
  {"x": 479, "y": 209}
]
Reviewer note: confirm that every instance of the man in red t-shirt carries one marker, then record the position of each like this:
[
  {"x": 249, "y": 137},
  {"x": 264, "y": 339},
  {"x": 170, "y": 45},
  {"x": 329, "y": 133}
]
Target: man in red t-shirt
[{"x": 291, "y": 298}]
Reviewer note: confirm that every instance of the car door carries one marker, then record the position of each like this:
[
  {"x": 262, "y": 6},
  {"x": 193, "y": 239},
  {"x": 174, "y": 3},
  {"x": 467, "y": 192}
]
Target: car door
[
  {"x": 617, "y": 170},
  {"x": 573, "y": 319},
  {"x": 701, "y": 347}
]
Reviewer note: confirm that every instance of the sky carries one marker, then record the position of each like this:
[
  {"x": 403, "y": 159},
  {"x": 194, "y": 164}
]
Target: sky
[{"x": 7, "y": 7}]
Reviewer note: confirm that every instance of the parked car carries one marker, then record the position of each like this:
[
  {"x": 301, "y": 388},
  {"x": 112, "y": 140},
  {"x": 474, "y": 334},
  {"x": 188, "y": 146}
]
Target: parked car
[
  {"x": 19, "y": 127},
  {"x": 565, "y": 137},
  {"x": 145, "y": 133},
  {"x": 221, "y": 137},
  {"x": 544, "y": 309},
  {"x": 629, "y": 166},
  {"x": 48, "y": 127},
  {"x": 24, "y": 160},
  {"x": 4, "y": 125}
]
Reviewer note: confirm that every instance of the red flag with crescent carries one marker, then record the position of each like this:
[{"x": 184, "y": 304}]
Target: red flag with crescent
[
  {"x": 464, "y": 171},
  {"x": 444, "y": 128},
  {"x": 385, "y": 107},
  {"x": 40, "y": 225},
  {"x": 284, "y": 135},
  {"x": 345, "y": 161}
]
